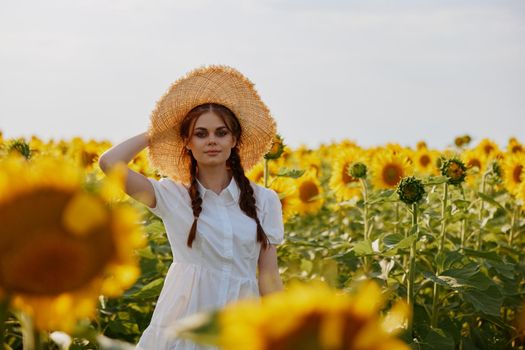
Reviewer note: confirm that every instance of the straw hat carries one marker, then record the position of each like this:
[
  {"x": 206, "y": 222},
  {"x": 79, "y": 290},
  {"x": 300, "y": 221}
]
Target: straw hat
[{"x": 212, "y": 84}]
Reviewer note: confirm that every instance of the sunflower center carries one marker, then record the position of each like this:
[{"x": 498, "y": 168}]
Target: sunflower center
[
  {"x": 474, "y": 163},
  {"x": 307, "y": 335},
  {"x": 424, "y": 160},
  {"x": 346, "y": 177},
  {"x": 88, "y": 158},
  {"x": 259, "y": 175},
  {"x": 517, "y": 149},
  {"x": 516, "y": 175},
  {"x": 392, "y": 173},
  {"x": 39, "y": 256},
  {"x": 454, "y": 171},
  {"x": 488, "y": 149},
  {"x": 307, "y": 191}
]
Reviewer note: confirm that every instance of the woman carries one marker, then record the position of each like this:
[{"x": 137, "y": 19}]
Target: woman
[{"x": 205, "y": 131}]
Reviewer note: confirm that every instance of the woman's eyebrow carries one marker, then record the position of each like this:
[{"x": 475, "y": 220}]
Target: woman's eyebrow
[{"x": 203, "y": 128}]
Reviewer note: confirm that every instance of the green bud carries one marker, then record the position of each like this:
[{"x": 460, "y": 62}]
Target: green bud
[
  {"x": 358, "y": 170},
  {"x": 277, "y": 148},
  {"x": 454, "y": 169},
  {"x": 21, "y": 147},
  {"x": 410, "y": 190}
]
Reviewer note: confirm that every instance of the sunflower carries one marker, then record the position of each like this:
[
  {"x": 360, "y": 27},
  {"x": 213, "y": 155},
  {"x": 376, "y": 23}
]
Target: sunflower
[
  {"x": 312, "y": 316},
  {"x": 61, "y": 246},
  {"x": 513, "y": 168},
  {"x": 286, "y": 189},
  {"x": 276, "y": 149},
  {"x": 425, "y": 161},
  {"x": 514, "y": 146},
  {"x": 421, "y": 145},
  {"x": 488, "y": 147},
  {"x": 311, "y": 161},
  {"x": 310, "y": 194},
  {"x": 476, "y": 163},
  {"x": 388, "y": 168},
  {"x": 256, "y": 174},
  {"x": 341, "y": 182}
]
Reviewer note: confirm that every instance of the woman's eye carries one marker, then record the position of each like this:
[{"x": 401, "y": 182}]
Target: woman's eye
[
  {"x": 222, "y": 133},
  {"x": 200, "y": 134}
]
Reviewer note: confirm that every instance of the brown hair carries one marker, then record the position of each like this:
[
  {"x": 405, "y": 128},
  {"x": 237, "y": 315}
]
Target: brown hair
[{"x": 247, "y": 199}]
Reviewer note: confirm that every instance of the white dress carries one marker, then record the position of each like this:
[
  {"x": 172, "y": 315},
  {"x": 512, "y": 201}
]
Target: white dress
[{"x": 221, "y": 265}]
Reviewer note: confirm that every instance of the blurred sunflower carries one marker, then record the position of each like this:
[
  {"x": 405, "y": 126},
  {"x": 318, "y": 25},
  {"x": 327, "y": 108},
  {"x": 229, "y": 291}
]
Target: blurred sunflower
[
  {"x": 514, "y": 146},
  {"x": 256, "y": 174},
  {"x": 286, "y": 189},
  {"x": 312, "y": 316},
  {"x": 421, "y": 145},
  {"x": 520, "y": 195},
  {"x": 488, "y": 147},
  {"x": 61, "y": 246},
  {"x": 476, "y": 163},
  {"x": 311, "y": 161},
  {"x": 425, "y": 161},
  {"x": 388, "y": 168},
  {"x": 310, "y": 194},
  {"x": 513, "y": 168},
  {"x": 344, "y": 185}
]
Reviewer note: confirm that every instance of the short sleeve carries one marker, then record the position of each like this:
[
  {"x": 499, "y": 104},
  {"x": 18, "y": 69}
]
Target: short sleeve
[
  {"x": 161, "y": 197},
  {"x": 272, "y": 220}
]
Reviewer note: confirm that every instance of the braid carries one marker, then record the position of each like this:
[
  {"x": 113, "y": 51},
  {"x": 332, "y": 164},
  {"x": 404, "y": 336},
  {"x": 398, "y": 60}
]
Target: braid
[
  {"x": 247, "y": 199},
  {"x": 196, "y": 201}
]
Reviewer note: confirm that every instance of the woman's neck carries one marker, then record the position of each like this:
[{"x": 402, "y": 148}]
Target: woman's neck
[{"x": 215, "y": 179}]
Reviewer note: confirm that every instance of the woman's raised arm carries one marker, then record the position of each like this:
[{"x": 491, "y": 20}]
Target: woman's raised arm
[{"x": 137, "y": 185}]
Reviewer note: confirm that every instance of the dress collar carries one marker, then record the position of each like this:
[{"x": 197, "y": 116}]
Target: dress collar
[{"x": 232, "y": 189}]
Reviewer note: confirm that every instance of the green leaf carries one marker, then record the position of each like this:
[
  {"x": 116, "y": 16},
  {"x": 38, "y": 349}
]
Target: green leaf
[
  {"x": 488, "y": 301},
  {"x": 146, "y": 253},
  {"x": 293, "y": 173},
  {"x": 150, "y": 290},
  {"x": 491, "y": 200},
  {"x": 435, "y": 180},
  {"x": 363, "y": 247},
  {"x": 307, "y": 265},
  {"x": 202, "y": 328},
  {"x": 347, "y": 258},
  {"x": 155, "y": 227},
  {"x": 436, "y": 339},
  {"x": 467, "y": 276},
  {"x": 392, "y": 239}
]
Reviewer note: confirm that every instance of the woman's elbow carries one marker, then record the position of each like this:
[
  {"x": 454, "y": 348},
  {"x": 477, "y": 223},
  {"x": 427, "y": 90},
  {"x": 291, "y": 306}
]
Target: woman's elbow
[{"x": 103, "y": 163}]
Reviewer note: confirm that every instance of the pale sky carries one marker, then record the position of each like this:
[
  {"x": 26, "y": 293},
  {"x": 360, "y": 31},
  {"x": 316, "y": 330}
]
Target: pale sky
[{"x": 370, "y": 71}]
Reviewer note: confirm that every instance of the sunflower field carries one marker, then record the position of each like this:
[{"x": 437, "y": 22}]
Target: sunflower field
[{"x": 388, "y": 247}]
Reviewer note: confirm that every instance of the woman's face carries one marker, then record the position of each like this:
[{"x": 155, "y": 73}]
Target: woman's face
[{"x": 211, "y": 141}]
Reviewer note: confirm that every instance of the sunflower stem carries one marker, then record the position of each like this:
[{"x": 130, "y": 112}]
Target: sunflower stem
[
  {"x": 480, "y": 214},
  {"x": 32, "y": 338},
  {"x": 515, "y": 214},
  {"x": 266, "y": 175},
  {"x": 4, "y": 309},
  {"x": 442, "y": 234},
  {"x": 412, "y": 267},
  {"x": 366, "y": 232},
  {"x": 396, "y": 206},
  {"x": 463, "y": 224},
  {"x": 37, "y": 339}
]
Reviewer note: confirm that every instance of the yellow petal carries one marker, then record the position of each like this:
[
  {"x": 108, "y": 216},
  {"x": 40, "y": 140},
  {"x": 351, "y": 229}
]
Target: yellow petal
[
  {"x": 397, "y": 318},
  {"x": 83, "y": 213}
]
